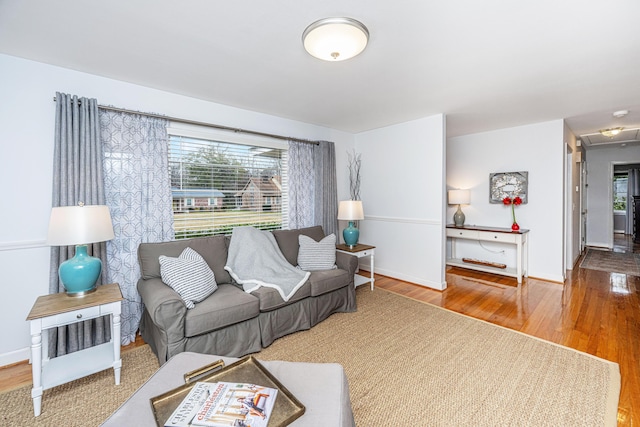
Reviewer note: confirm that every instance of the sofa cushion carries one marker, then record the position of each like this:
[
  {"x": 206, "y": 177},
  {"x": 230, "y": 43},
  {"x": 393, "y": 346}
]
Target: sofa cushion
[
  {"x": 288, "y": 240},
  {"x": 227, "y": 306},
  {"x": 213, "y": 249},
  {"x": 327, "y": 280},
  {"x": 314, "y": 256},
  {"x": 270, "y": 298},
  {"x": 188, "y": 275}
]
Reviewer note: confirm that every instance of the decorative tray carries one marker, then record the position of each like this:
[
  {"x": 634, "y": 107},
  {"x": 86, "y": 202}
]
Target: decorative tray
[{"x": 248, "y": 370}]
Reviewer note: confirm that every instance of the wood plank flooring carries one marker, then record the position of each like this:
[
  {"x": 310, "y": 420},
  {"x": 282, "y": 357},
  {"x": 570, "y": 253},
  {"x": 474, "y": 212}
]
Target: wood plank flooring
[{"x": 594, "y": 311}]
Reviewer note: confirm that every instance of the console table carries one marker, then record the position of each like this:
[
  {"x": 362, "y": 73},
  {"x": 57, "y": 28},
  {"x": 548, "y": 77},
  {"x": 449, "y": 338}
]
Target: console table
[
  {"x": 492, "y": 234},
  {"x": 51, "y": 311}
]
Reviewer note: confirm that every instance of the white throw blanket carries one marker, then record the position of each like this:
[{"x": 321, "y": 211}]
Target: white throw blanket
[{"x": 255, "y": 260}]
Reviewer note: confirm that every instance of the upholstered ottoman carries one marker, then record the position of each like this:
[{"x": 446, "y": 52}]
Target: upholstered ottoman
[{"x": 321, "y": 387}]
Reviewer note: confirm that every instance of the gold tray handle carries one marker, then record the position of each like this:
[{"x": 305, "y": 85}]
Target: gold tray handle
[{"x": 200, "y": 372}]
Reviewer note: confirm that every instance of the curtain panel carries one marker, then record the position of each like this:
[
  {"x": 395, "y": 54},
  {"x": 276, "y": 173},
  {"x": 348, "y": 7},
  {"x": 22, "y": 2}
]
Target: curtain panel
[
  {"x": 301, "y": 185},
  {"x": 77, "y": 177},
  {"x": 326, "y": 187},
  {"x": 138, "y": 192},
  {"x": 313, "y": 196}
]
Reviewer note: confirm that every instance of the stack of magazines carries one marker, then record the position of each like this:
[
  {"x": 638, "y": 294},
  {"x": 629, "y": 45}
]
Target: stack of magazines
[{"x": 224, "y": 404}]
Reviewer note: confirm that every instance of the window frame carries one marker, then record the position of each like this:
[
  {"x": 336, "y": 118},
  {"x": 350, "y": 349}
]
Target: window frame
[{"x": 215, "y": 135}]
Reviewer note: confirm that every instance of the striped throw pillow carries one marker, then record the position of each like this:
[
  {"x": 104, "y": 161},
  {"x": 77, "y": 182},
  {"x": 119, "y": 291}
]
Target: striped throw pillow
[
  {"x": 189, "y": 275},
  {"x": 314, "y": 256}
]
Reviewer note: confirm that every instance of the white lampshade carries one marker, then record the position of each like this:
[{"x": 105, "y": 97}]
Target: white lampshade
[
  {"x": 459, "y": 197},
  {"x": 350, "y": 210},
  {"x": 335, "y": 39},
  {"x": 79, "y": 225}
]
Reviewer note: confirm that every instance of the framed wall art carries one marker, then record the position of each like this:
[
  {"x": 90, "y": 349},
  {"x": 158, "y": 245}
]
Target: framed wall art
[{"x": 508, "y": 184}]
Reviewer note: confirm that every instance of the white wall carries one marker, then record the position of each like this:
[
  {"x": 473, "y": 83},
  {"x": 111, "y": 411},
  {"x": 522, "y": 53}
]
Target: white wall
[
  {"x": 574, "y": 191},
  {"x": 403, "y": 199},
  {"x": 27, "y": 115},
  {"x": 599, "y": 194},
  {"x": 537, "y": 149}
]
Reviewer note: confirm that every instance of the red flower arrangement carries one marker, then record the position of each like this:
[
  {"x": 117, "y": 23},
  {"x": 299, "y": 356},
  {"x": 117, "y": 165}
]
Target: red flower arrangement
[{"x": 513, "y": 202}]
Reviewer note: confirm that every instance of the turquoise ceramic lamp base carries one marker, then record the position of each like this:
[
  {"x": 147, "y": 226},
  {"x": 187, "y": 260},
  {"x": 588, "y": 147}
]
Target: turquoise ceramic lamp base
[
  {"x": 80, "y": 273},
  {"x": 351, "y": 234}
]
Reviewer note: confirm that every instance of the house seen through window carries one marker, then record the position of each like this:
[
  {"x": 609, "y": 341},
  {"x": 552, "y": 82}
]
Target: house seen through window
[
  {"x": 620, "y": 192},
  {"x": 218, "y": 185}
]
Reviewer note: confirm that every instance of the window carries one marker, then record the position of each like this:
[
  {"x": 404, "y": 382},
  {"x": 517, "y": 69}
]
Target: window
[
  {"x": 218, "y": 184},
  {"x": 620, "y": 192}
]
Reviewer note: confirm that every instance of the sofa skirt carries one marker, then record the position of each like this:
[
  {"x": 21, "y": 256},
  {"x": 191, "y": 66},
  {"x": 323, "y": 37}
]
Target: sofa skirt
[
  {"x": 342, "y": 300},
  {"x": 233, "y": 341},
  {"x": 304, "y": 314}
]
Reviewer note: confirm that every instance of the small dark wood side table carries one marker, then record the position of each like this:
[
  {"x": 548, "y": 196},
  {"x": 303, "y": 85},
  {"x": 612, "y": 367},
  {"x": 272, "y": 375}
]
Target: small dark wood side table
[
  {"x": 51, "y": 311},
  {"x": 360, "y": 251}
]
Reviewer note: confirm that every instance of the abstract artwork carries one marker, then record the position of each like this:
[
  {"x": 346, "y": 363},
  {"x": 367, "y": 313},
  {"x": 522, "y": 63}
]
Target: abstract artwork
[{"x": 508, "y": 184}]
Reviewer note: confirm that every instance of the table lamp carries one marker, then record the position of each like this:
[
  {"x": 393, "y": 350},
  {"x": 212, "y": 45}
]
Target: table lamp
[
  {"x": 350, "y": 210},
  {"x": 79, "y": 225},
  {"x": 459, "y": 197}
]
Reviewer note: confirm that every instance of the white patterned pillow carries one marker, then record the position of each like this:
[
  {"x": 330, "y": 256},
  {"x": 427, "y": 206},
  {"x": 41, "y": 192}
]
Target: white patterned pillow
[
  {"x": 314, "y": 256},
  {"x": 189, "y": 275}
]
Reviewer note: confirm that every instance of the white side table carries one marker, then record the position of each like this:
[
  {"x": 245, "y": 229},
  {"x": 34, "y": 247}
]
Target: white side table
[
  {"x": 360, "y": 251},
  {"x": 51, "y": 311},
  {"x": 492, "y": 234}
]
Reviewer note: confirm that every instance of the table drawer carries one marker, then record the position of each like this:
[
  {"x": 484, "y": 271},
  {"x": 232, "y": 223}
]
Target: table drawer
[
  {"x": 71, "y": 317},
  {"x": 361, "y": 254},
  {"x": 462, "y": 234},
  {"x": 500, "y": 237}
]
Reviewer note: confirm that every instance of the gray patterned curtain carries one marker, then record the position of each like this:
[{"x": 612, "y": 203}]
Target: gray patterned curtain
[
  {"x": 326, "y": 188},
  {"x": 77, "y": 177},
  {"x": 313, "y": 196},
  {"x": 138, "y": 193},
  {"x": 301, "y": 185}
]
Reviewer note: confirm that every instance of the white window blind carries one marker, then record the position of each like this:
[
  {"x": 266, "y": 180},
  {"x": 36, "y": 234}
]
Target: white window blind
[{"x": 218, "y": 185}]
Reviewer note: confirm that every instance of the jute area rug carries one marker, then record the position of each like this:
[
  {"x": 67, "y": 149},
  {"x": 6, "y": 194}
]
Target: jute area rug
[
  {"x": 613, "y": 262},
  {"x": 408, "y": 364}
]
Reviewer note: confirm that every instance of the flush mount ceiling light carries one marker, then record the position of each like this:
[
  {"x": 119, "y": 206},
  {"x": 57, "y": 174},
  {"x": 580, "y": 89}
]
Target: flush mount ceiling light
[
  {"x": 620, "y": 113},
  {"x": 610, "y": 133},
  {"x": 335, "y": 39}
]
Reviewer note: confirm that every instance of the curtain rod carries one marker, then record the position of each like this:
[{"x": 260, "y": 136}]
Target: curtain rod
[{"x": 210, "y": 125}]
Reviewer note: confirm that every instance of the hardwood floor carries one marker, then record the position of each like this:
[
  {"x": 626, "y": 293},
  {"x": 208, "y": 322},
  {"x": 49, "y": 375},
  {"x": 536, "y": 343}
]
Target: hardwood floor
[{"x": 594, "y": 312}]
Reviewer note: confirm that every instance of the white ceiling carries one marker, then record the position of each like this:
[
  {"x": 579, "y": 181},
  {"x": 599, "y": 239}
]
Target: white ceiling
[{"x": 486, "y": 64}]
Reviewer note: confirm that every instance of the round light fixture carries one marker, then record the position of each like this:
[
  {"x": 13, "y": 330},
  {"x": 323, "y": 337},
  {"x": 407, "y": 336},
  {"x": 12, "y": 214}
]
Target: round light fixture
[
  {"x": 335, "y": 39},
  {"x": 610, "y": 133},
  {"x": 620, "y": 113}
]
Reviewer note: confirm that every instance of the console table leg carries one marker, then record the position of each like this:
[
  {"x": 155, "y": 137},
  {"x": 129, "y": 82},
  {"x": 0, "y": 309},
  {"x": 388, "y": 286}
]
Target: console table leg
[
  {"x": 36, "y": 370},
  {"x": 519, "y": 263}
]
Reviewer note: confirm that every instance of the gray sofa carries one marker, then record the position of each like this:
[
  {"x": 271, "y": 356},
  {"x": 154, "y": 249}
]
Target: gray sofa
[{"x": 231, "y": 322}]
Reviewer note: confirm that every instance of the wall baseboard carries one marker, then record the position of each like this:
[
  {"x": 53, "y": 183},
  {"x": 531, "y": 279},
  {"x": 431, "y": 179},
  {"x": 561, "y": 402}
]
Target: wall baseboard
[
  {"x": 598, "y": 245},
  {"x": 411, "y": 279},
  {"x": 21, "y": 355}
]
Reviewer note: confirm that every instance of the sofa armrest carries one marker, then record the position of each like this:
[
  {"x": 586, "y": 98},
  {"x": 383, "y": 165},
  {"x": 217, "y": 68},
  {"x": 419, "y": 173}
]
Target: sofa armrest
[
  {"x": 347, "y": 262},
  {"x": 165, "y": 307}
]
